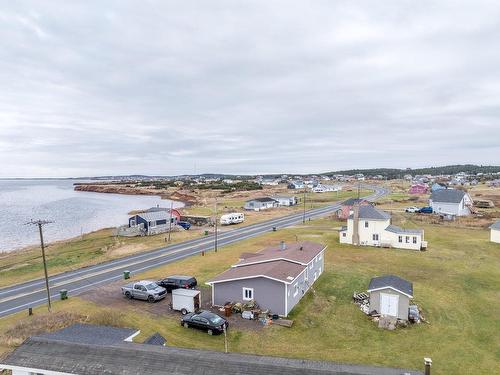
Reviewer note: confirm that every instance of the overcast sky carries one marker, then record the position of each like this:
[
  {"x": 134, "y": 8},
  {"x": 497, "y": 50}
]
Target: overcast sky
[{"x": 174, "y": 87}]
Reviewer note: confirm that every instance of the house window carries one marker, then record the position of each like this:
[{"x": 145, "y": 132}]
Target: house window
[
  {"x": 295, "y": 290},
  {"x": 344, "y": 234},
  {"x": 319, "y": 271},
  {"x": 400, "y": 239},
  {"x": 132, "y": 223},
  {"x": 311, "y": 266},
  {"x": 247, "y": 294},
  {"x": 375, "y": 237},
  {"x": 366, "y": 224},
  {"x": 407, "y": 239},
  {"x": 414, "y": 239},
  {"x": 319, "y": 256},
  {"x": 152, "y": 224},
  {"x": 315, "y": 276}
]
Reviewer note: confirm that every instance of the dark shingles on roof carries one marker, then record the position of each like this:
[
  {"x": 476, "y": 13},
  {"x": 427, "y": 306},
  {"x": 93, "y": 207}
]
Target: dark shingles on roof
[
  {"x": 156, "y": 339},
  {"x": 399, "y": 230},
  {"x": 130, "y": 358},
  {"x": 352, "y": 201},
  {"x": 395, "y": 282},
  {"x": 447, "y": 196},
  {"x": 264, "y": 199},
  {"x": 370, "y": 212},
  {"x": 91, "y": 334},
  {"x": 495, "y": 225}
]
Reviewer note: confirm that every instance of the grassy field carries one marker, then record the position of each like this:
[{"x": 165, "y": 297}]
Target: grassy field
[
  {"x": 457, "y": 282},
  {"x": 101, "y": 245}
]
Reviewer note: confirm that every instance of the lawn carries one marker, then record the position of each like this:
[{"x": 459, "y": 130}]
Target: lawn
[{"x": 457, "y": 282}]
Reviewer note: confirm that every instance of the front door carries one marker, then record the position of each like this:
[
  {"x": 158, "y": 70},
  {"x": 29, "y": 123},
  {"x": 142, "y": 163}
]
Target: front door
[{"x": 389, "y": 304}]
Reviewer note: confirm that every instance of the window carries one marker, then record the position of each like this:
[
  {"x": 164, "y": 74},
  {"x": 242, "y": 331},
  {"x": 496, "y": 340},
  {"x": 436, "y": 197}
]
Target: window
[
  {"x": 366, "y": 224},
  {"x": 295, "y": 290},
  {"x": 315, "y": 276},
  {"x": 152, "y": 224},
  {"x": 407, "y": 239},
  {"x": 400, "y": 239},
  {"x": 319, "y": 256},
  {"x": 247, "y": 294},
  {"x": 311, "y": 266},
  {"x": 319, "y": 271},
  {"x": 414, "y": 239},
  {"x": 132, "y": 223},
  {"x": 375, "y": 237},
  {"x": 344, "y": 234}
]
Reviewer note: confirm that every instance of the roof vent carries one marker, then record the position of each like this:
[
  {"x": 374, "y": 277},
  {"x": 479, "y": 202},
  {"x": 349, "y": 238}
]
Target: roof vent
[
  {"x": 282, "y": 245},
  {"x": 301, "y": 248}
]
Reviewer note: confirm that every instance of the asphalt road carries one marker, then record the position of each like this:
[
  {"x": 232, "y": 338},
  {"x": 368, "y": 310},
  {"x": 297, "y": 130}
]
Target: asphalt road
[{"x": 32, "y": 293}]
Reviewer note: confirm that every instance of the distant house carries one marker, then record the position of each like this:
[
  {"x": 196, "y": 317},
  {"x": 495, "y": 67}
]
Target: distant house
[
  {"x": 175, "y": 213},
  {"x": 495, "y": 232},
  {"x": 153, "y": 222},
  {"x": 451, "y": 202},
  {"x": 418, "y": 189},
  {"x": 285, "y": 200},
  {"x": 372, "y": 227},
  {"x": 347, "y": 205},
  {"x": 390, "y": 296},
  {"x": 437, "y": 186},
  {"x": 276, "y": 277},
  {"x": 259, "y": 204},
  {"x": 296, "y": 185}
]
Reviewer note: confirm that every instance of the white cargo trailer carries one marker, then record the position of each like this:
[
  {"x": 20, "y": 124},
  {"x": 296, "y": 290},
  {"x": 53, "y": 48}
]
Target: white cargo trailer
[
  {"x": 232, "y": 218},
  {"x": 186, "y": 300}
]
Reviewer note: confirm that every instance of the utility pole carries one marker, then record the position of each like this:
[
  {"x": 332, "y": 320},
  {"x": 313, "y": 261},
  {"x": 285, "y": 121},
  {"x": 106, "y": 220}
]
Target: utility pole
[
  {"x": 215, "y": 232},
  {"x": 304, "y": 214},
  {"x": 40, "y": 224},
  {"x": 170, "y": 221}
]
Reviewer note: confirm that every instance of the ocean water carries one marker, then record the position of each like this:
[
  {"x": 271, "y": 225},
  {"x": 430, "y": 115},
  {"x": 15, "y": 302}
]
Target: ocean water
[{"x": 72, "y": 212}]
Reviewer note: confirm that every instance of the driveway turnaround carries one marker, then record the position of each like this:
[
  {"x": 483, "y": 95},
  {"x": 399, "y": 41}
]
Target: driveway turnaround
[{"x": 32, "y": 293}]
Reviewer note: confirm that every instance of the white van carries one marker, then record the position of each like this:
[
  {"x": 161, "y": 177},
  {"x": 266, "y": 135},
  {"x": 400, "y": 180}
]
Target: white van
[{"x": 232, "y": 218}]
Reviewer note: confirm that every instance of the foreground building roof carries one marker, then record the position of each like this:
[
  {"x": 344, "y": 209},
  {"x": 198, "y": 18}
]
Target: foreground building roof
[
  {"x": 447, "y": 196},
  {"x": 41, "y": 353},
  {"x": 392, "y": 282},
  {"x": 301, "y": 252},
  {"x": 371, "y": 213}
]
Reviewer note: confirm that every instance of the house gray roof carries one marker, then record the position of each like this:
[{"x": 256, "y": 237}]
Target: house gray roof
[
  {"x": 391, "y": 281},
  {"x": 91, "y": 334},
  {"x": 495, "y": 225},
  {"x": 264, "y": 199},
  {"x": 399, "y": 230},
  {"x": 155, "y": 215},
  {"x": 447, "y": 195},
  {"x": 371, "y": 213},
  {"x": 128, "y": 358},
  {"x": 352, "y": 201},
  {"x": 156, "y": 339}
]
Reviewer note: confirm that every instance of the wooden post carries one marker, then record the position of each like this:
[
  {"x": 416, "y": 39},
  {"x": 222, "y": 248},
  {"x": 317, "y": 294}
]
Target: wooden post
[
  {"x": 44, "y": 265},
  {"x": 428, "y": 364},
  {"x": 225, "y": 338}
]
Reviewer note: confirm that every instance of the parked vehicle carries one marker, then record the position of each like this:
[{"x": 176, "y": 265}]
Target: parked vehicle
[
  {"x": 412, "y": 209},
  {"x": 206, "y": 321},
  {"x": 425, "y": 210},
  {"x": 232, "y": 218},
  {"x": 178, "y": 281},
  {"x": 186, "y": 300},
  {"x": 144, "y": 289},
  {"x": 185, "y": 224}
]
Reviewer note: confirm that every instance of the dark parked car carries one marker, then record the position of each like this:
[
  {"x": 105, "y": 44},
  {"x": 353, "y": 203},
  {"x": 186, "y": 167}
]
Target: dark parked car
[
  {"x": 206, "y": 321},
  {"x": 426, "y": 210},
  {"x": 185, "y": 224},
  {"x": 178, "y": 281}
]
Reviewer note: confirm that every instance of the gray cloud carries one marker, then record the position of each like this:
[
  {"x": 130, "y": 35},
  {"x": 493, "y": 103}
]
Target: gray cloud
[{"x": 159, "y": 87}]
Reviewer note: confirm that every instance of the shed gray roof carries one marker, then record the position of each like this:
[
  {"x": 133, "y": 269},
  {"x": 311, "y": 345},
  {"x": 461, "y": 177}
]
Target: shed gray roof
[
  {"x": 264, "y": 199},
  {"x": 91, "y": 334},
  {"x": 495, "y": 225},
  {"x": 129, "y": 358},
  {"x": 447, "y": 195},
  {"x": 399, "y": 230},
  {"x": 370, "y": 212},
  {"x": 391, "y": 281}
]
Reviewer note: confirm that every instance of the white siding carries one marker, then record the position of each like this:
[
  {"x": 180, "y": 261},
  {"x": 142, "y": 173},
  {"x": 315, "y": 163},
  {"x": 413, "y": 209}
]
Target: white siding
[{"x": 495, "y": 235}]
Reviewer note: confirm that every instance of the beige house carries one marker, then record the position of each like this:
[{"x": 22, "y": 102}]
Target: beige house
[
  {"x": 495, "y": 232},
  {"x": 368, "y": 226}
]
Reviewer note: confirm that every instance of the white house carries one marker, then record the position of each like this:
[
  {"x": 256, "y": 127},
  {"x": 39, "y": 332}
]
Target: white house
[
  {"x": 285, "y": 200},
  {"x": 495, "y": 232},
  {"x": 372, "y": 227},
  {"x": 451, "y": 202}
]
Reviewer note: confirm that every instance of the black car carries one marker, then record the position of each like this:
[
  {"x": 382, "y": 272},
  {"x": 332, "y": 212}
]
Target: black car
[
  {"x": 177, "y": 281},
  {"x": 206, "y": 321}
]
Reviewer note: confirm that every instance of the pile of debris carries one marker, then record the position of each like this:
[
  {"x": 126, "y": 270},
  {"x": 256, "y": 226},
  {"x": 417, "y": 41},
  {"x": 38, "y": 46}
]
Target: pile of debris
[{"x": 251, "y": 311}]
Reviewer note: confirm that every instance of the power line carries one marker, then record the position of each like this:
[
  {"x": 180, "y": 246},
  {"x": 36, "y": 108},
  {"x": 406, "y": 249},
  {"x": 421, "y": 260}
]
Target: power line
[{"x": 40, "y": 224}]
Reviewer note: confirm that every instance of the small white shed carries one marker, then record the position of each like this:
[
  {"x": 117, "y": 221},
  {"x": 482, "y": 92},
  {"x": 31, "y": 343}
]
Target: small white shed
[{"x": 186, "y": 300}]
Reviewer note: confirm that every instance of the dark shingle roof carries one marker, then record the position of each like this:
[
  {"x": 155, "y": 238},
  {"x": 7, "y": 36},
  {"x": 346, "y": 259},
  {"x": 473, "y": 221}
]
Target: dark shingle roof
[
  {"x": 495, "y": 225},
  {"x": 391, "y": 281},
  {"x": 264, "y": 199},
  {"x": 129, "y": 358},
  {"x": 156, "y": 339},
  {"x": 370, "y": 212},
  {"x": 91, "y": 334},
  {"x": 396, "y": 229},
  {"x": 447, "y": 196},
  {"x": 352, "y": 201}
]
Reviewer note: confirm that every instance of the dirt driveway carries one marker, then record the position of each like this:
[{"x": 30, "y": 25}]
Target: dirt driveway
[{"x": 110, "y": 295}]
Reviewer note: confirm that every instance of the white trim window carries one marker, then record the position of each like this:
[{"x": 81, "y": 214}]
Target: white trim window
[
  {"x": 295, "y": 290},
  {"x": 319, "y": 270},
  {"x": 247, "y": 294},
  {"x": 311, "y": 265}
]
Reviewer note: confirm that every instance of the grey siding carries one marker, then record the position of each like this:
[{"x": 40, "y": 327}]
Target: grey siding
[
  {"x": 404, "y": 302},
  {"x": 304, "y": 281},
  {"x": 269, "y": 294}
]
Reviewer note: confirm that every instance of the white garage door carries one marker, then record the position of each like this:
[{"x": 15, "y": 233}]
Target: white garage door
[{"x": 389, "y": 304}]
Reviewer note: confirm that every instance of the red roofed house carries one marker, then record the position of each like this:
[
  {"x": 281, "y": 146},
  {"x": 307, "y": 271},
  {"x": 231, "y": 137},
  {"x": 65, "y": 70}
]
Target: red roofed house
[{"x": 418, "y": 189}]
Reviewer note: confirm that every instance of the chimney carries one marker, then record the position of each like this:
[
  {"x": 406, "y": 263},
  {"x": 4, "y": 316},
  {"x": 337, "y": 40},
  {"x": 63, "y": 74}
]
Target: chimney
[
  {"x": 355, "y": 224},
  {"x": 282, "y": 245}
]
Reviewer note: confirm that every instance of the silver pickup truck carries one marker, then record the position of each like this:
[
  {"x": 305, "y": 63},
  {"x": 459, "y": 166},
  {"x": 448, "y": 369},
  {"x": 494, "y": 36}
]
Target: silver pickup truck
[{"x": 144, "y": 289}]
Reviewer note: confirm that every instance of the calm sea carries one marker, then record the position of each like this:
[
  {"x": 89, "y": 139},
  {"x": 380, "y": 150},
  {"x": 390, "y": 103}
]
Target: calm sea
[{"x": 73, "y": 212}]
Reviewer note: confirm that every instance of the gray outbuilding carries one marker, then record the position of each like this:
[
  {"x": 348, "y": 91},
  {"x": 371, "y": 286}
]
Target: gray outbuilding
[{"x": 390, "y": 295}]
